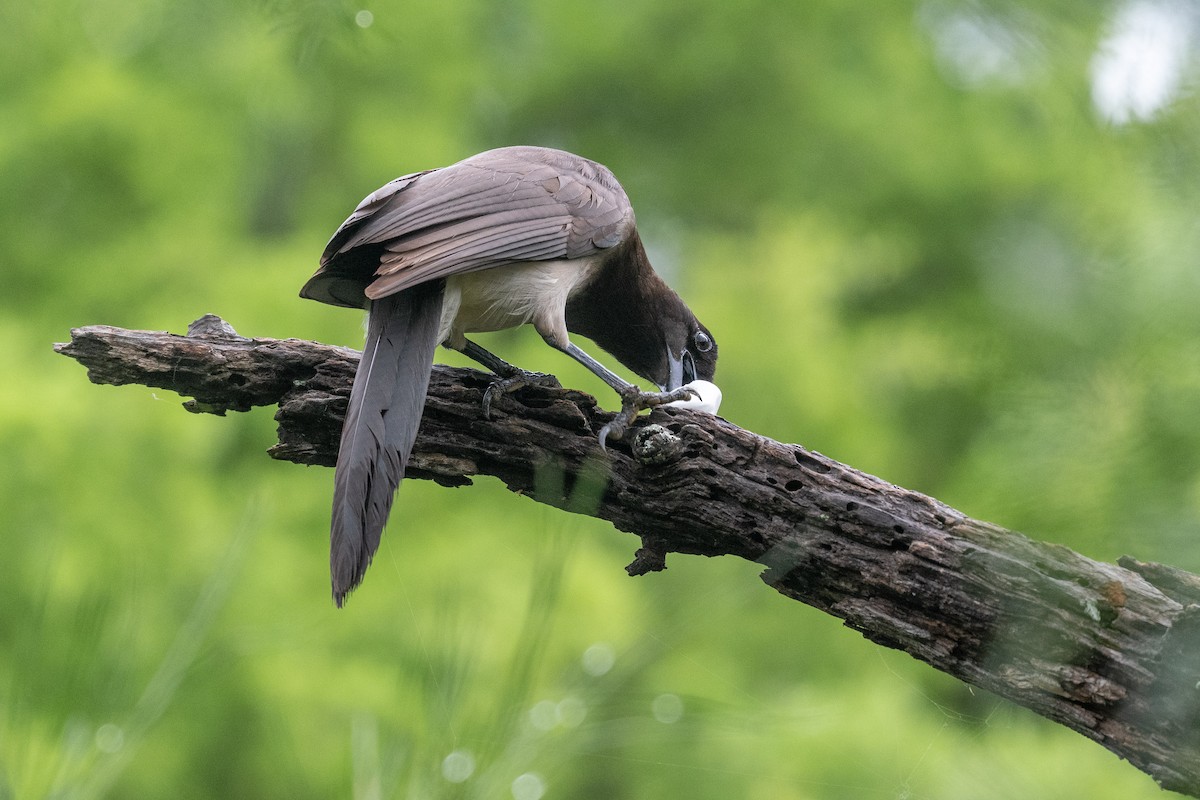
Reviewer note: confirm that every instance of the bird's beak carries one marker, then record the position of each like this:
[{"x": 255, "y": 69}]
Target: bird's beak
[{"x": 680, "y": 370}]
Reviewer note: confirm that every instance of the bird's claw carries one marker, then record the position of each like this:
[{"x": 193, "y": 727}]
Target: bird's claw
[
  {"x": 633, "y": 402},
  {"x": 512, "y": 383}
]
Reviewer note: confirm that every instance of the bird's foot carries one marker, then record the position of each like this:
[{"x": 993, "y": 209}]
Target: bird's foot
[
  {"x": 511, "y": 383},
  {"x": 633, "y": 402}
]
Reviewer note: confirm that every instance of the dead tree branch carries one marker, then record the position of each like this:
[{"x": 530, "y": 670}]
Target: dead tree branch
[{"x": 1111, "y": 651}]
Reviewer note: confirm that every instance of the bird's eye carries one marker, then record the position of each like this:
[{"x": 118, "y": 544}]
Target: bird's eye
[{"x": 703, "y": 342}]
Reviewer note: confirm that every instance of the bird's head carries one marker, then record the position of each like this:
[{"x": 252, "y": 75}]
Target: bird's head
[
  {"x": 690, "y": 353},
  {"x": 682, "y": 351},
  {"x": 630, "y": 311},
  {"x": 661, "y": 341}
]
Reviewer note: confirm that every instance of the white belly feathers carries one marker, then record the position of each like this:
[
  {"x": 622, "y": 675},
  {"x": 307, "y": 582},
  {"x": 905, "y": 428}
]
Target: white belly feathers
[{"x": 512, "y": 295}]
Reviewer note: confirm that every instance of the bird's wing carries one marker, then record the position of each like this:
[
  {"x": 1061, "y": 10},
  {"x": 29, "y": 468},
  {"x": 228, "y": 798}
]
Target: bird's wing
[{"x": 501, "y": 206}]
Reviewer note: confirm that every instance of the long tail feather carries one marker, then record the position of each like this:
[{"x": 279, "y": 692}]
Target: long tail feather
[{"x": 381, "y": 425}]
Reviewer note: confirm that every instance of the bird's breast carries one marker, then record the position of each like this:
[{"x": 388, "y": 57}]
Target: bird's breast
[{"x": 512, "y": 295}]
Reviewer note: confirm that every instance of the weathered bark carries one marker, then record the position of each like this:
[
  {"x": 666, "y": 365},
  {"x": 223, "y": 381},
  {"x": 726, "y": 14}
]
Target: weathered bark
[{"x": 1110, "y": 651}]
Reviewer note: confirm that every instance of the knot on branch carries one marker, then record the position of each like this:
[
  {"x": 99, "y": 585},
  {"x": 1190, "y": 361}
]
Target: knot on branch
[
  {"x": 213, "y": 327},
  {"x": 650, "y": 557},
  {"x": 654, "y": 444}
]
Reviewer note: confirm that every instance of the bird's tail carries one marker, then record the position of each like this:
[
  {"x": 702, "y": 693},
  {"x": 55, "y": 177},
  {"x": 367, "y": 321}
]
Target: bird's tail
[{"x": 381, "y": 425}]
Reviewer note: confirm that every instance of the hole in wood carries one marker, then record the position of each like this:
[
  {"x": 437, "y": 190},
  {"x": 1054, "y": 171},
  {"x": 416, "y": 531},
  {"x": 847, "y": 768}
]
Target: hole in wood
[
  {"x": 534, "y": 400},
  {"x": 810, "y": 463}
]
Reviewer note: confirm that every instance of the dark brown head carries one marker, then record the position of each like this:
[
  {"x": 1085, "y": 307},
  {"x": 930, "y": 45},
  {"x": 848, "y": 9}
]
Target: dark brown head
[
  {"x": 631, "y": 312},
  {"x": 648, "y": 328},
  {"x": 687, "y": 351}
]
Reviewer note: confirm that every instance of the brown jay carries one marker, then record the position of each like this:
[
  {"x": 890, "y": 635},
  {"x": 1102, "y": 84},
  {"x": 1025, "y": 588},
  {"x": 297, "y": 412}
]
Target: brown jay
[{"x": 505, "y": 237}]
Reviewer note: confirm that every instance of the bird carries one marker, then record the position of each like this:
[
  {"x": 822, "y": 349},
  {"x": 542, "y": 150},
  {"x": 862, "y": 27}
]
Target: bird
[{"x": 507, "y": 237}]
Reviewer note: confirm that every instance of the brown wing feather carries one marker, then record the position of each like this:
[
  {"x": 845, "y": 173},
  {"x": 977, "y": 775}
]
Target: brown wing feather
[{"x": 495, "y": 208}]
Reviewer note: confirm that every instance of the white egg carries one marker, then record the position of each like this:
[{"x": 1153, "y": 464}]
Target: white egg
[{"x": 709, "y": 397}]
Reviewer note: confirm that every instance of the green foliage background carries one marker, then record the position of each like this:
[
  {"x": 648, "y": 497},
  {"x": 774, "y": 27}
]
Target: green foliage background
[{"x": 972, "y": 286}]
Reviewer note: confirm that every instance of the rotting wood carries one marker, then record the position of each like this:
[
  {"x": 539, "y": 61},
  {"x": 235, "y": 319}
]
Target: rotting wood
[{"x": 1109, "y": 650}]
